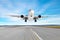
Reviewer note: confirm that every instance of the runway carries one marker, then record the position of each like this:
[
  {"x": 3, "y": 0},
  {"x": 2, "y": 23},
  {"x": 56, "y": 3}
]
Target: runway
[{"x": 29, "y": 33}]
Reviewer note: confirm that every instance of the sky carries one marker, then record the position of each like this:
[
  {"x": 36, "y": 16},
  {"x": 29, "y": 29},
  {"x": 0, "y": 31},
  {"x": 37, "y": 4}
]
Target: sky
[{"x": 50, "y": 8}]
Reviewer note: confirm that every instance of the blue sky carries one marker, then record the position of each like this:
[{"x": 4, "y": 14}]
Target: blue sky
[{"x": 50, "y": 8}]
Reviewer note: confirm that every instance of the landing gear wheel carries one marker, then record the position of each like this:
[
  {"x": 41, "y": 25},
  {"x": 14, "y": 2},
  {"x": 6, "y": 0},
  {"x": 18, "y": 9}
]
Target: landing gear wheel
[
  {"x": 25, "y": 20},
  {"x": 35, "y": 20}
]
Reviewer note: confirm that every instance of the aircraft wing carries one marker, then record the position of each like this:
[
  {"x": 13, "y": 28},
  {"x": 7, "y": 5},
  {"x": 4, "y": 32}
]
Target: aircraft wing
[
  {"x": 39, "y": 16},
  {"x": 18, "y": 16},
  {"x": 44, "y": 16}
]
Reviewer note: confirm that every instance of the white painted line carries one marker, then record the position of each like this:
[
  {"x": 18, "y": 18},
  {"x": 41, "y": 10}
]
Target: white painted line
[{"x": 37, "y": 35}]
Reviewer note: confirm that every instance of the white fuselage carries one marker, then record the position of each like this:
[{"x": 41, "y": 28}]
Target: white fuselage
[{"x": 31, "y": 14}]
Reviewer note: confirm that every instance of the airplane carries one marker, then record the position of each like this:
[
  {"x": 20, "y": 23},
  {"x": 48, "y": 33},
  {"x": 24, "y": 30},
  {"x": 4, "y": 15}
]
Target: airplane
[{"x": 30, "y": 16}]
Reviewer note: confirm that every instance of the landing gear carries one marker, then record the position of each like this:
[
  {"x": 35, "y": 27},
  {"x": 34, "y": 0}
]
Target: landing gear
[
  {"x": 35, "y": 20},
  {"x": 25, "y": 20}
]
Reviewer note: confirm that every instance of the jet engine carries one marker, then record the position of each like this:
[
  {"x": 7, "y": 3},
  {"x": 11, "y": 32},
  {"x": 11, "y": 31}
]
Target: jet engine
[
  {"x": 39, "y": 16},
  {"x": 22, "y": 16}
]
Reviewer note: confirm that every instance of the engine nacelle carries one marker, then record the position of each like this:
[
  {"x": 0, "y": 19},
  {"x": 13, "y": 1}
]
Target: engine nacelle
[
  {"x": 26, "y": 18},
  {"x": 39, "y": 16},
  {"x": 22, "y": 16}
]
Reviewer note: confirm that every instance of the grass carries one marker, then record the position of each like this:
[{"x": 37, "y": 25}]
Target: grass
[{"x": 53, "y": 27}]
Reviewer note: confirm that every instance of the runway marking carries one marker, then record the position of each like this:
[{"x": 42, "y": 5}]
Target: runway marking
[{"x": 36, "y": 35}]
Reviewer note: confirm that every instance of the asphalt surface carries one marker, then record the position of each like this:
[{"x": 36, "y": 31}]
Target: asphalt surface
[
  {"x": 48, "y": 33},
  {"x": 29, "y": 33}
]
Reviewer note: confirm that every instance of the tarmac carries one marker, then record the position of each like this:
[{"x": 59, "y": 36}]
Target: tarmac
[{"x": 29, "y": 33}]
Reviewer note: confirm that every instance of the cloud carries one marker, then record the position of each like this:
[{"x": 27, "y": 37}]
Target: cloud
[
  {"x": 4, "y": 13},
  {"x": 53, "y": 20}
]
